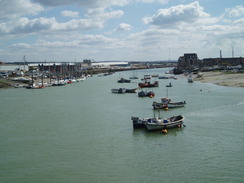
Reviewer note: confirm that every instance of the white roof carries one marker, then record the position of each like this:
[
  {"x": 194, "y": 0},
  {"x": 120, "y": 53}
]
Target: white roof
[{"x": 109, "y": 63}]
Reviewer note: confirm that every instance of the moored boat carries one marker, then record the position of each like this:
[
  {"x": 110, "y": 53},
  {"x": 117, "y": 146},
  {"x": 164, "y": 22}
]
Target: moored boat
[
  {"x": 123, "y": 80},
  {"x": 34, "y": 87},
  {"x": 169, "y": 85},
  {"x": 166, "y": 123},
  {"x": 133, "y": 77},
  {"x": 22, "y": 79},
  {"x": 119, "y": 90},
  {"x": 166, "y": 103},
  {"x": 148, "y": 84},
  {"x": 167, "y": 77},
  {"x": 133, "y": 90},
  {"x": 146, "y": 94},
  {"x": 190, "y": 79},
  {"x": 158, "y": 123}
]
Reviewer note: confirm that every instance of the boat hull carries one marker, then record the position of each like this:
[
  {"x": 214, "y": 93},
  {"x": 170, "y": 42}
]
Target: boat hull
[
  {"x": 130, "y": 90},
  {"x": 162, "y": 105},
  {"x": 158, "y": 123},
  {"x": 175, "y": 105},
  {"x": 138, "y": 123},
  {"x": 120, "y": 90},
  {"x": 161, "y": 126},
  {"x": 146, "y": 94},
  {"x": 148, "y": 84}
]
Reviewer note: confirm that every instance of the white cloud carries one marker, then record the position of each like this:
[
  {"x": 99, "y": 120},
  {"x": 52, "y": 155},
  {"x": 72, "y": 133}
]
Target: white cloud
[
  {"x": 235, "y": 12},
  {"x": 73, "y": 14},
  {"x": 189, "y": 13},
  {"x": 86, "y": 3},
  {"x": 101, "y": 13},
  {"x": 82, "y": 47},
  {"x": 24, "y": 25},
  {"x": 12, "y": 9},
  {"x": 37, "y": 25},
  {"x": 182, "y": 28},
  {"x": 95, "y": 20},
  {"x": 124, "y": 27}
]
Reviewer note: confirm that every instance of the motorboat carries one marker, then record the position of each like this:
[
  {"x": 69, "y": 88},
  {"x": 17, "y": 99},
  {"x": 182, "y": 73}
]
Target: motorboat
[
  {"x": 166, "y": 103},
  {"x": 158, "y": 123}
]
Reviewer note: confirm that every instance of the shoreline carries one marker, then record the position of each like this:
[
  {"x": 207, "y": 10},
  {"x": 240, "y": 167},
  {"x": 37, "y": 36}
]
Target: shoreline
[
  {"x": 223, "y": 79},
  {"x": 216, "y": 77}
]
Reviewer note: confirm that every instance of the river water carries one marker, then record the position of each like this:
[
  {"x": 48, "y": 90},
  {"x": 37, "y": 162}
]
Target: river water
[{"x": 82, "y": 133}]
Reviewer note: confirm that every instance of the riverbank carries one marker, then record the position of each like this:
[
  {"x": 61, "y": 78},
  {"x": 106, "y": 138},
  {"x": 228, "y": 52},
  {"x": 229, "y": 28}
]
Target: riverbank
[
  {"x": 5, "y": 83},
  {"x": 222, "y": 78},
  {"x": 216, "y": 77}
]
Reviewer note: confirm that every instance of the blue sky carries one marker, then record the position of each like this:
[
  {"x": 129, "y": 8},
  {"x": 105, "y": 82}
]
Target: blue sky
[{"x": 112, "y": 30}]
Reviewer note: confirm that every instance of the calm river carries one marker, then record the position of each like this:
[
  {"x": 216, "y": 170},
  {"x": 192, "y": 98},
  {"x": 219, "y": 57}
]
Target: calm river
[{"x": 82, "y": 133}]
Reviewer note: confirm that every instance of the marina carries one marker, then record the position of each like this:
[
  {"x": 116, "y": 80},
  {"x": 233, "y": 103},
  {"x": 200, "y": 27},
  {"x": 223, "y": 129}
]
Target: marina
[
  {"x": 83, "y": 132},
  {"x": 124, "y": 91}
]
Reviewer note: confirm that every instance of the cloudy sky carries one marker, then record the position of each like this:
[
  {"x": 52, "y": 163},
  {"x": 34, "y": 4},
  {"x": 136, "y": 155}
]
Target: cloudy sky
[{"x": 130, "y": 30}]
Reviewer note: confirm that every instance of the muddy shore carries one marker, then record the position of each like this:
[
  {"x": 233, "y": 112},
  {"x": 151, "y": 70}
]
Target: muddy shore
[{"x": 222, "y": 79}]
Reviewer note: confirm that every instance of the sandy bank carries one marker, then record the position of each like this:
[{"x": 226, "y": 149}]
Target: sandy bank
[{"x": 222, "y": 79}]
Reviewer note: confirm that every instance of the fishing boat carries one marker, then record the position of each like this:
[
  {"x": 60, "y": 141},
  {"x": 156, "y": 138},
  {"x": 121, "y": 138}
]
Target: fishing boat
[
  {"x": 119, "y": 90},
  {"x": 146, "y": 77},
  {"x": 163, "y": 77},
  {"x": 166, "y": 123},
  {"x": 166, "y": 103},
  {"x": 134, "y": 76},
  {"x": 148, "y": 84},
  {"x": 158, "y": 123},
  {"x": 123, "y": 80},
  {"x": 146, "y": 94}
]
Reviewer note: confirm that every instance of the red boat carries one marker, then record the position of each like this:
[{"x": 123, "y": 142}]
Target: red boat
[{"x": 148, "y": 84}]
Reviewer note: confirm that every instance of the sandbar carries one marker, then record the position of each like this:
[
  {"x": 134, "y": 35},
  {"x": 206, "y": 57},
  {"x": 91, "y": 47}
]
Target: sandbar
[{"x": 222, "y": 78}]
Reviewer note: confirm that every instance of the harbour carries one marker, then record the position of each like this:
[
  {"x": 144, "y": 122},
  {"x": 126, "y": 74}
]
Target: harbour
[{"x": 83, "y": 133}]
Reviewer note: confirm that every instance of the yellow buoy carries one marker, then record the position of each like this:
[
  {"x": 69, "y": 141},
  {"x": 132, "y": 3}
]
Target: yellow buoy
[
  {"x": 164, "y": 131},
  {"x": 166, "y": 108}
]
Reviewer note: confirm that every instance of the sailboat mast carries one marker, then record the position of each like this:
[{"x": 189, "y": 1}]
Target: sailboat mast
[{"x": 24, "y": 62}]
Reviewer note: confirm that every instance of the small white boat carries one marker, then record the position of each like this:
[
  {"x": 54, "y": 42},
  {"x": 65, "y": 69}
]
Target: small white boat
[
  {"x": 190, "y": 79},
  {"x": 22, "y": 79},
  {"x": 133, "y": 77}
]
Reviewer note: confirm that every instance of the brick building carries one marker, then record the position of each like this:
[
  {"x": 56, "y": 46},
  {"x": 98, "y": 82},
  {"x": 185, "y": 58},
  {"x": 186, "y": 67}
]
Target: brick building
[
  {"x": 188, "y": 61},
  {"x": 222, "y": 62}
]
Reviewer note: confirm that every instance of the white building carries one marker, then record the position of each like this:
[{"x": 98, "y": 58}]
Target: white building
[{"x": 110, "y": 64}]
